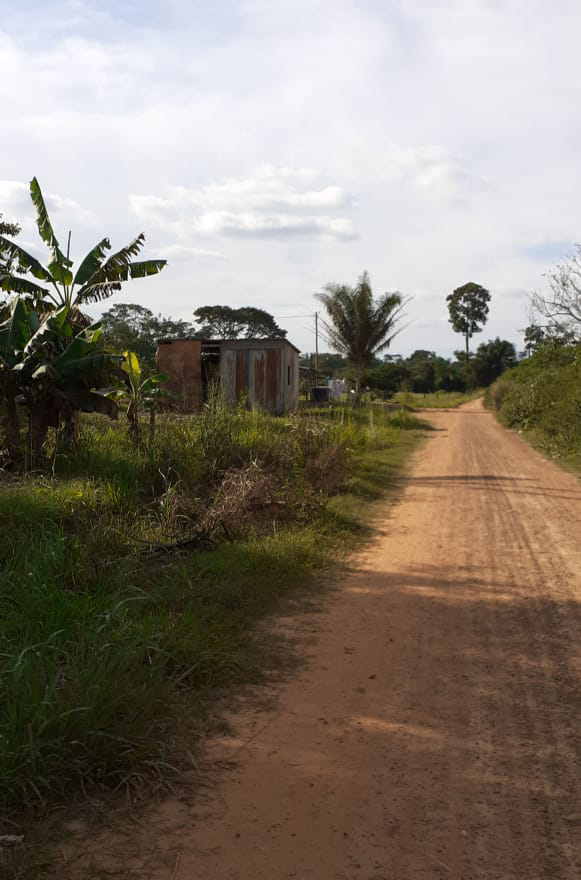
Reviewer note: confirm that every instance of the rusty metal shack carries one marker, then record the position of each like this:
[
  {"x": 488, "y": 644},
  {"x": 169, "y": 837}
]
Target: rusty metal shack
[{"x": 264, "y": 371}]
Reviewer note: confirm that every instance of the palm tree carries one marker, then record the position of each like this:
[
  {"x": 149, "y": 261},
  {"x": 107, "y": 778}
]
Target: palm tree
[
  {"x": 359, "y": 327},
  {"x": 97, "y": 277}
]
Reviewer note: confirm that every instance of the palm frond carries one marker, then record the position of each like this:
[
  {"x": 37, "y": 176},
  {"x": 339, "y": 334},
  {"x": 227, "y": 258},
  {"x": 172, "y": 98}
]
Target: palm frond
[
  {"x": 92, "y": 262},
  {"x": 119, "y": 267},
  {"x": 10, "y": 283},
  {"x": 92, "y": 293},
  {"x": 26, "y": 262},
  {"x": 60, "y": 265},
  {"x": 356, "y": 325}
]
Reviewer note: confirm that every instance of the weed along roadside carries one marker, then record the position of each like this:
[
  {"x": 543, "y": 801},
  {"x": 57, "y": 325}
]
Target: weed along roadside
[
  {"x": 541, "y": 398},
  {"x": 132, "y": 580}
]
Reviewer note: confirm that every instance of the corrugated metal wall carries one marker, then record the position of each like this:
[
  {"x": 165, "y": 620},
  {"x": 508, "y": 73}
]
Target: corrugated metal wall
[
  {"x": 255, "y": 374},
  {"x": 266, "y": 374}
]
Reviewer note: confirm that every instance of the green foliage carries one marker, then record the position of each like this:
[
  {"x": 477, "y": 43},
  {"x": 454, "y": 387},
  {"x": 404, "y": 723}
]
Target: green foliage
[
  {"x": 102, "y": 643},
  {"x": 330, "y": 365},
  {"x": 97, "y": 278},
  {"x": 436, "y": 400},
  {"x": 360, "y": 327},
  {"x": 11, "y": 229},
  {"x": 225, "y": 322},
  {"x": 139, "y": 393},
  {"x": 543, "y": 395},
  {"x": 491, "y": 360},
  {"x": 387, "y": 378},
  {"x": 533, "y": 338},
  {"x": 468, "y": 309},
  {"x": 54, "y": 370},
  {"x": 131, "y": 327}
]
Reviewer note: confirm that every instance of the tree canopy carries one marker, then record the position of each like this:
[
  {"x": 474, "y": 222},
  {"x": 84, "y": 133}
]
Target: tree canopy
[
  {"x": 131, "y": 327},
  {"x": 492, "y": 358},
  {"x": 468, "y": 308},
  {"x": 225, "y": 322}
]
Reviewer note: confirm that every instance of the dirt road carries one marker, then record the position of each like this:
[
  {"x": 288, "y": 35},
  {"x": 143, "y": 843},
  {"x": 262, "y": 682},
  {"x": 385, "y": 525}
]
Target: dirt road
[{"x": 436, "y": 729}]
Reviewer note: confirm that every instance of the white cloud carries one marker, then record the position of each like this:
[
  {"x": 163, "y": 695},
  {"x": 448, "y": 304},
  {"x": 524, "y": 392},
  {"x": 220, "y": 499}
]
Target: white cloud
[
  {"x": 269, "y": 203},
  {"x": 429, "y": 167},
  {"x": 184, "y": 252},
  {"x": 15, "y": 203},
  {"x": 429, "y": 141}
]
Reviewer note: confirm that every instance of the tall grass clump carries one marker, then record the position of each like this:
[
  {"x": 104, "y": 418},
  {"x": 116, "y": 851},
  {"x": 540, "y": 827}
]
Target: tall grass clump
[
  {"x": 542, "y": 395},
  {"x": 131, "y": 578}
]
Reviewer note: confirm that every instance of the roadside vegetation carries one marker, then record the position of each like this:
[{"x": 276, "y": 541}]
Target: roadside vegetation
[
  {"x": 542, "y": 397},
  {"x": 136, "y": 558},
  {"x": 132, "y": 577}
]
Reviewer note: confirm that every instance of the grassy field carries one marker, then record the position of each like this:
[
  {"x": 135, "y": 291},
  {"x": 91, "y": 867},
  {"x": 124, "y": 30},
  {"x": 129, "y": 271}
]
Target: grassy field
[
  {"x": 436, "y": 400},
  {"x": 132, "y": 580}
]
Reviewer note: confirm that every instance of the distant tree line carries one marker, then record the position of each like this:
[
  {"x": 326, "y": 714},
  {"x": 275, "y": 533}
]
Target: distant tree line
[
  {"x": 424, "y": 371},
  {"x": 131, "y": 327}
]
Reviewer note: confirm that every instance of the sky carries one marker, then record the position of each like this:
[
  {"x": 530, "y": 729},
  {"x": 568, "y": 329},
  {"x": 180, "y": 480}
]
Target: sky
[{"x": 268, "y": 147}]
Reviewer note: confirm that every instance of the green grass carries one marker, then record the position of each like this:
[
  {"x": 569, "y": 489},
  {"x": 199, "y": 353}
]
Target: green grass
[
  {"x": 102, "y": 648},
  {"x": 436, "y": 400}
]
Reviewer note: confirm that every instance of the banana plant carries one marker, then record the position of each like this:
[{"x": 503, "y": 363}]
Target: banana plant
[
  {"x": 52, "y": 369},
  {"x": 97, "y": 277},
  {"x": 140, "y": 393},
  {"x": 15, "y": 332}
]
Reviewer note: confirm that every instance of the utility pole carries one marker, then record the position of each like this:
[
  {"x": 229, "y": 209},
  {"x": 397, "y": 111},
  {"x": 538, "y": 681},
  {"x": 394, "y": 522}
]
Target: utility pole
[{"x": 316, "y": 348}]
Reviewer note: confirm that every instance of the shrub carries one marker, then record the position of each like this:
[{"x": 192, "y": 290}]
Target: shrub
[{"x": 543, "y": 394}]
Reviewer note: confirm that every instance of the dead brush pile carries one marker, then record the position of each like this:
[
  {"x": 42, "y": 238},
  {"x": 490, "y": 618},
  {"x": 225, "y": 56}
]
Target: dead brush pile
[
  {"x": 289, "y": 486},
  {"x": 275, "y": 477},
  {"x": 249, "y": 499}
]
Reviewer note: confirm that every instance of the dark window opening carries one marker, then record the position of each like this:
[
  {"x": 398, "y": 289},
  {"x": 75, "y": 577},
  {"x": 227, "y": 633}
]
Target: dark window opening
[{"x": 288, "y": 373}]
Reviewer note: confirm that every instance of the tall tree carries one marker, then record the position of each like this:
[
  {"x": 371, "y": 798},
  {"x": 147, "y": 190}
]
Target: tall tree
[
  {"x": 468, "y": 308},
  {"x": 225, "y": 322},
  {"x": 422, "y": 371},
  {"x": 359, "y": 326},
  {"x": 97, "y": 277},
  {"x": 258, "y": 324},
  {"x": 563, "y": 303},
  {"x": 533, "y": 337}
]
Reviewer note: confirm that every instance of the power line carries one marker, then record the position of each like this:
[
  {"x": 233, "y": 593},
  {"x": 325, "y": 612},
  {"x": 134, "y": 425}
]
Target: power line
[{"x": 288, "y": 317}]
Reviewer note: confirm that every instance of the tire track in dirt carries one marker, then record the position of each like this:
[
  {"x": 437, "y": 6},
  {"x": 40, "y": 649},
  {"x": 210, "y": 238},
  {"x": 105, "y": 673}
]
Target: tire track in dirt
[{"x": 435, "y": 730}]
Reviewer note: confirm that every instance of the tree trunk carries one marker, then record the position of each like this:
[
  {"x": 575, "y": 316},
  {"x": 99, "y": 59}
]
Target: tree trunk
[
  {"x": 467, "y": 347},
  {"x": 132, "y": 418},
  {"x": 359, "y": 371},
  {"x": 36, "y": 434},
  {"x": 12, "y": 426},
  {"x": 71, "y": 428},
  {"x": 151, "y": 428}
]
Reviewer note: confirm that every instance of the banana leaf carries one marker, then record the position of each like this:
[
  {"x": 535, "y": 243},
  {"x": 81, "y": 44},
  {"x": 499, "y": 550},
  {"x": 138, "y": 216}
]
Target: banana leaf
[{"x": 92, "y": 262}]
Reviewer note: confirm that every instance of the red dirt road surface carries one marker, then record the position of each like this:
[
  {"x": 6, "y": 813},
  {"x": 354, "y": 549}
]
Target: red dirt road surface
[{"x": 435, "y": 729}]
